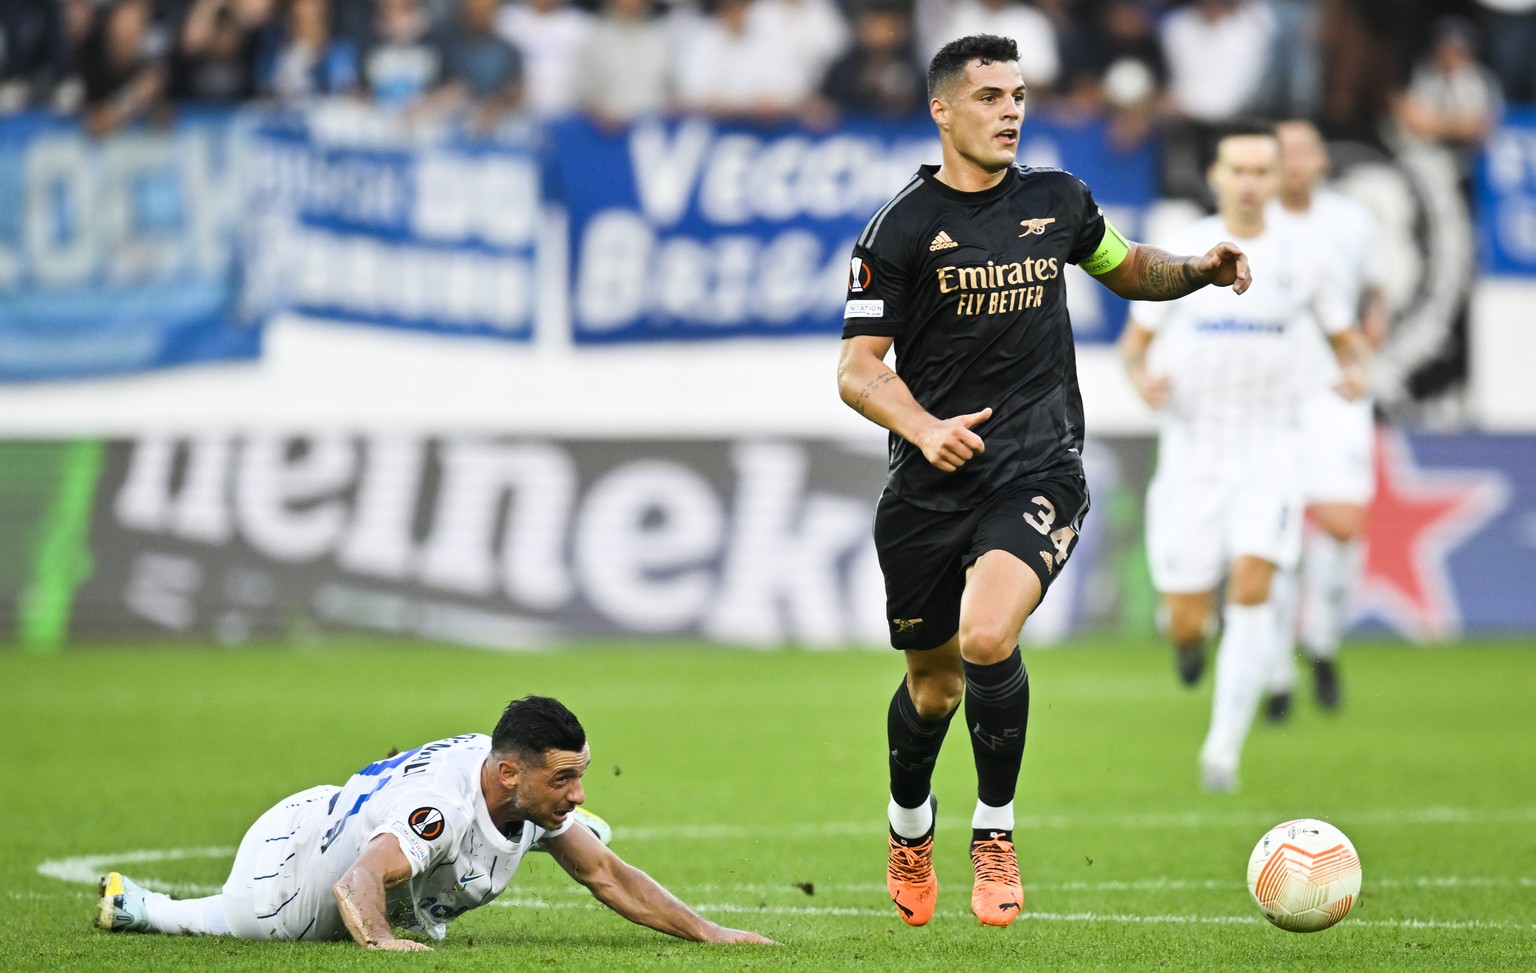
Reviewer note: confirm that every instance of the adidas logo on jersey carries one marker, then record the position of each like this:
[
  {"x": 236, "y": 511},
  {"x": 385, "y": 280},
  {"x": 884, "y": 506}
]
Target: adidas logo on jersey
[{"x": 941, "y": 242}]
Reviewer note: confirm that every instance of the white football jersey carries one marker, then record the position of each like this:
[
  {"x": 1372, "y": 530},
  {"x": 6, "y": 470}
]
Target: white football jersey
[
  {"x": 1347, "y": 230},
  {"x": 1233, "y": 361},
  {"x": 429, "y": 800}
]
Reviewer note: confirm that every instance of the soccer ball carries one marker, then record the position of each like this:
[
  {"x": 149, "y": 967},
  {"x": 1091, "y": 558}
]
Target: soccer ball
[{"x": 1304, "y": 875}]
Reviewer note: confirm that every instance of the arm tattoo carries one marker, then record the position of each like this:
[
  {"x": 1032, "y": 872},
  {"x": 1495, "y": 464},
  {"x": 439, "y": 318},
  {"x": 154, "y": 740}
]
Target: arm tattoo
[
  {"x": 1164, "y": 276},
  {"x": 874, "y": 385}
]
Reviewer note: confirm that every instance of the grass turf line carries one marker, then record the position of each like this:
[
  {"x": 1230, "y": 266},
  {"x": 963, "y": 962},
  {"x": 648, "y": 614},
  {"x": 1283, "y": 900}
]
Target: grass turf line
[{"x": 753, "y": 784}]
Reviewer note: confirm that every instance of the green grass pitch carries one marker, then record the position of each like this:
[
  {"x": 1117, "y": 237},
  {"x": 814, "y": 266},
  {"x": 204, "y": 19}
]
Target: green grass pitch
[{"x": 752, "y": 784}]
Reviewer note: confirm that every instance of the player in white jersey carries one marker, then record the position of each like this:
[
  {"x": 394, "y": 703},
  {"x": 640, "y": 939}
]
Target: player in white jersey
[
  {"x": 1338, "y": 479},
  {"x": 414, "y": 840},
  {"x": 1225, "y": 501}
]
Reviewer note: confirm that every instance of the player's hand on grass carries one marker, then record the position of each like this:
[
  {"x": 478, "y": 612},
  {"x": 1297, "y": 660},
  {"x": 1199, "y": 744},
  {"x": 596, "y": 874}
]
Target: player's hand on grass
[
  {"x": 721, "y": 934},
  {"x": 949, "y": 443},
  {"x": 400, "y": 946},
  {"x": 1225, "y": 265}
]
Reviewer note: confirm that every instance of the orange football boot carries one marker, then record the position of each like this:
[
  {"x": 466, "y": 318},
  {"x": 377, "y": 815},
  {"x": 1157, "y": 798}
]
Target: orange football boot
[
  {"x": 909, "y": 875},
  {"x": 998, "y": 896}
]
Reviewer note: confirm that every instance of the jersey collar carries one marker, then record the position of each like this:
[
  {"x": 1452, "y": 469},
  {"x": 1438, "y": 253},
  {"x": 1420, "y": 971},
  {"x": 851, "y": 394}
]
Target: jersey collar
[{"x": 929, "y": 172}]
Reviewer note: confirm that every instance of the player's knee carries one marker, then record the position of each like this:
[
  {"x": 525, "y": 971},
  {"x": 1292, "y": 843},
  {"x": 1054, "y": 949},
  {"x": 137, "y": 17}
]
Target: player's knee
[
  {"x": 935, "y": 697},
  {"x": 987, "y": 641},
  {"x": 1250, "y": 581},
  {"x": 1249, "y": 591},
  {"x": 1343, "y": 524},
  {"x": 1186, "y": 624},
  {"x": 1182, "y": 632}
]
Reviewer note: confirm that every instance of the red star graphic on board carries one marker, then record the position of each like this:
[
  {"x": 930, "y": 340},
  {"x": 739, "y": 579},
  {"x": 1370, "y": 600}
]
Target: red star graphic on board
[{"x": 1417, "y": 519}]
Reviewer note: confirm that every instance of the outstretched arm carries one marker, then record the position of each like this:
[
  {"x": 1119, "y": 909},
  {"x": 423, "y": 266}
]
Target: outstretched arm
[
  {"x": 877, "y": 393},
  {"x": 633, "y": 894},
  {"x": 1349, "y": 347},
  {"x": 360, "y": 895},
  {"x": 1134, "y": 342},
  {"x": 1150, "y": 274}
]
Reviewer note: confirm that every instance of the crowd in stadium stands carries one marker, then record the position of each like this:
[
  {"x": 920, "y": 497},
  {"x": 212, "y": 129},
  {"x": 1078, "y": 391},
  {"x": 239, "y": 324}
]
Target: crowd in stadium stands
[{"x": 1439, "y": 69}]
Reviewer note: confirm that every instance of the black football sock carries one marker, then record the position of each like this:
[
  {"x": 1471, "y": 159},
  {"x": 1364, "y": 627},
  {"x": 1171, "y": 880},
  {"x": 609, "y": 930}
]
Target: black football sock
[
  {"x": 1189, "y": 659},
  {"x": 997, "y": 713},
  {"x": 914, "y": 746}
]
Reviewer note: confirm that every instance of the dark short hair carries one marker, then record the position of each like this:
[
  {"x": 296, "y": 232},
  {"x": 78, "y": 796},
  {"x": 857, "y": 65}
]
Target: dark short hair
[
  {"x": 952, "y": 58},
  {"x": 1239, "y": 128},
  {"x": 536, "y": 725}
]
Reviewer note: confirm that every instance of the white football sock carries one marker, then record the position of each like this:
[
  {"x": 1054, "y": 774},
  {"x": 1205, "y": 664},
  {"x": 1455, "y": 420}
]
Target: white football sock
[
  {"x": 989, "y": 818},
  {"x": 187, "y": 917},
  {"x": 910, "y": 822},
  {"x": 1244, "y": 656},
  {"x": 1281, "y": 675},
  {"x": 1327, "y": 585}
]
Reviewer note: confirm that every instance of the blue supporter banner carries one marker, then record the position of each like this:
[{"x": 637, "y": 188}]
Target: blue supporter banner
[
  {"x": 360, "y": 220},
  {"x": 121, "y": 254},
  {"x": 1507, "y": 196},
  {"x": 691, "y": 229}
]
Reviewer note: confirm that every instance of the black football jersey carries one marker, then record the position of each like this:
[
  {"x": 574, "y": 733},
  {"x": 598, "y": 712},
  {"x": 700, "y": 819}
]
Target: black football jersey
[{"x": 971, "y": 287}]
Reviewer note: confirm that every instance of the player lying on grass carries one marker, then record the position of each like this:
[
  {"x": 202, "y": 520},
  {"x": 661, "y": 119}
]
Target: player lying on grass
[{"x": 415, "y": 840}]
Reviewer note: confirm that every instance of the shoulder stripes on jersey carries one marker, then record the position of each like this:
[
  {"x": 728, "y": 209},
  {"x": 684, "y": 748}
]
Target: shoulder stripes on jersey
[
  {"x": 1025, "y": 170},
  {"x": 867, "y": 238}
]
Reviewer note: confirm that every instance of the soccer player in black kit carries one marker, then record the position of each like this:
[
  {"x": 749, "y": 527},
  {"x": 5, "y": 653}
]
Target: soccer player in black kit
[{"x": 962, "y": 272}]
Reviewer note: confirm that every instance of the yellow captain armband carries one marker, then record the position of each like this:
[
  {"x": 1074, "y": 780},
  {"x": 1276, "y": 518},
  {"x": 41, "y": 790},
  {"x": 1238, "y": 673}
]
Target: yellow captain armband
[{"x": 1110, "y": 253}]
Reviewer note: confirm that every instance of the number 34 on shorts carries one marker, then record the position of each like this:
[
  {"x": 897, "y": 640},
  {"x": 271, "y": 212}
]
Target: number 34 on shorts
[{"x": 1063, "y": 538}]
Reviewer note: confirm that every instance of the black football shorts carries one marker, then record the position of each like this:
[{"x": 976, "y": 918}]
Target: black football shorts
[{"x": 924, "y": 553}]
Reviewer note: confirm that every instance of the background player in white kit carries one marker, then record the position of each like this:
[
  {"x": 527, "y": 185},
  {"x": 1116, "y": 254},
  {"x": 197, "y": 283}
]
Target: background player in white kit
[
  {"x": 1225, "y": 501},
  {"x": 413, "y": 841},
  {"x": 1338, "y": 479}
]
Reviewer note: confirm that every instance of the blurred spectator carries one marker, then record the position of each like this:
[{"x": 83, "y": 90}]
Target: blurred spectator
[
  {"x": 1113, "y": 66},
  {"x": 551, "y": 35},
  {"x": 26, "y": 55},
  {"x": 1039, "y": 60},
  {"x": 353, "y": 20},
  {"x": 1366, "y": 46},
  {"x": 878, "y": 76},
  {"x": 733, "y": 71},
  {"x": 403, "y": 64},
  {"x": 121, "y": 64},
  {"x": 626, "y": 67},
  {"x": 808, "y": 34},
  {"x": 62, "y": 86},
  {"x": 480, "y": 66},
  {"x": 1452, "y": 100},
  {"x": 216, "y": 59},
  {"x": 1292, "y": 88},
  {"x": 305, "y": 60},
  {"x": 1510, "y": 26},
  {"x": 1217, "y": 52}
]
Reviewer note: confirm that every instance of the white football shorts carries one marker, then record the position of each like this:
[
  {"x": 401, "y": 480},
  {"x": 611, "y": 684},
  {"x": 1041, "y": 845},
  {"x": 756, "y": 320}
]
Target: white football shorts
[
  {"x": 279, "y": 888},
  {"x": 1196, "y": 526},
  {"x": 1338, "y": 455}
]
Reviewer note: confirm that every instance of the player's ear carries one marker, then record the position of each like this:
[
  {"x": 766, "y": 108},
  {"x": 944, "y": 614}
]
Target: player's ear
[
  {"x": 938, "y": 110},
  {"x": 508, "y": 770}
]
